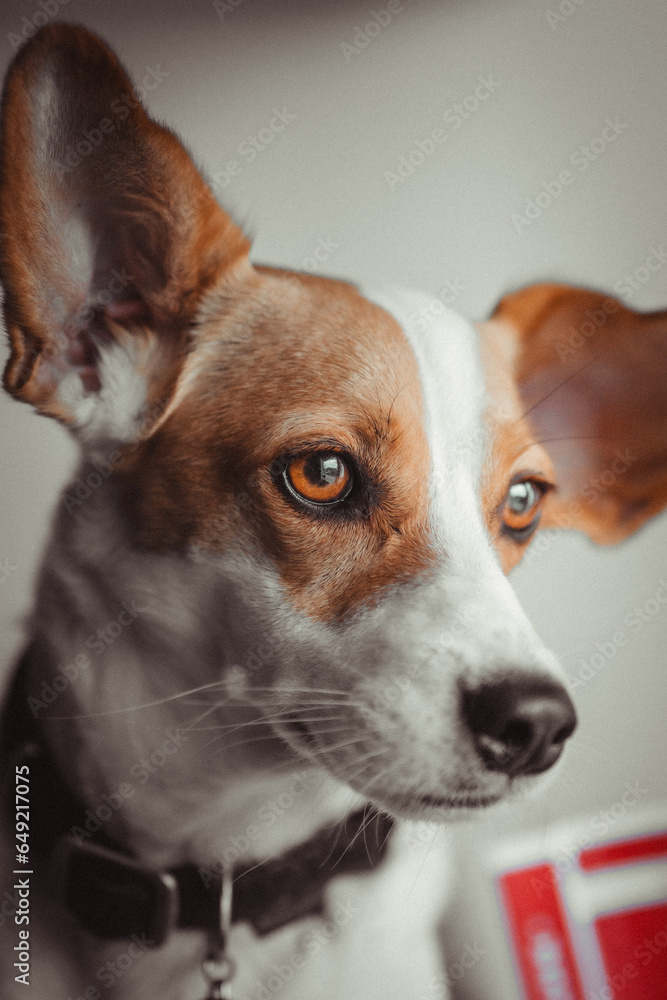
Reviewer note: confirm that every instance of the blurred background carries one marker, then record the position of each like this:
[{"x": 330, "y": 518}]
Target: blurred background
[{"x": 522, "y": 92}]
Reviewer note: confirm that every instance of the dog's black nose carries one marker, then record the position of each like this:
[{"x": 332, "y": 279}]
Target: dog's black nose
[{"x": 519, "y": 725}]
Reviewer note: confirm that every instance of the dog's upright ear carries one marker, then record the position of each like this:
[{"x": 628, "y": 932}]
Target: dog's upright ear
[
  {"x": 592, "y": 377},
  {"x": 110, "y": 237}
]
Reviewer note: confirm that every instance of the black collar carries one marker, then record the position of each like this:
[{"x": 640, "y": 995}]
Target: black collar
[{"x": 113, "y": 896}]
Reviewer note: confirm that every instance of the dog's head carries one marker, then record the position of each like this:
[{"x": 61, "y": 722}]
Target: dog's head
[{"x": 351, "y": 474}]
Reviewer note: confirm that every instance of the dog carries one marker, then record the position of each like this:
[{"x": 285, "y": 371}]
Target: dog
[{"x": 273, "y": 627}]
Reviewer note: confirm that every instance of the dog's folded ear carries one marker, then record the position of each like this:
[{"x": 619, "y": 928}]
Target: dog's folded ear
[
  {"x": 108, "y": 230},
  {"x": 592, "y": 376}
]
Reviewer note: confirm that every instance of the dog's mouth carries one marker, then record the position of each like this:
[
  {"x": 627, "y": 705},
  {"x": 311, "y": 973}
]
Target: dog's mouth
[
  {"x": 435, "y": 807},
  {"x": 407, "y": 805},
  {"x": 458, "y": 801}
]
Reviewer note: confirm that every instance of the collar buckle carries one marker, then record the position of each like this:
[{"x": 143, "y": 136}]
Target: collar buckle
[{"x": 113, "y": 896}]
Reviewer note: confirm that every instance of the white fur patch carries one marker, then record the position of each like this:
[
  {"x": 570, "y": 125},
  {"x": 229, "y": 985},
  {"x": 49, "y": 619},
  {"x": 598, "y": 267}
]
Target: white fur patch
[
  {"x": 114, "y": 412},
  {"x": 447, "y": 353}
]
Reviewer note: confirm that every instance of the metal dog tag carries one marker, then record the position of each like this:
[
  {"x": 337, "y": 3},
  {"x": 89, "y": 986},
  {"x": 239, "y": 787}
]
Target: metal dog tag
[
  {"x": 220, "y": 970},
  {"x": 218, "y": 967}
]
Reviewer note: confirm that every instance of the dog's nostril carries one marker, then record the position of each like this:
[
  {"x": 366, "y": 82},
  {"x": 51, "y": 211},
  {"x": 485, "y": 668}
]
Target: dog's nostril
[{"x": 519, "y": 725}]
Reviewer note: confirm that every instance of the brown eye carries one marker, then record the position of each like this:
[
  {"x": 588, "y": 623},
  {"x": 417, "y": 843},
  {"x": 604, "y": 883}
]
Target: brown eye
[
  {"x": 321, "y": 477},
  {"x": 521, "y": 509}
]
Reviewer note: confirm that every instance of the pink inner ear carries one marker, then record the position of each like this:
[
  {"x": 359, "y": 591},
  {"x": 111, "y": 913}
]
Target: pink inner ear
[
  {"x": 127, "y": 309},
  {"x": 84, "y": 336},
  {"x": 81, "y": 356}
]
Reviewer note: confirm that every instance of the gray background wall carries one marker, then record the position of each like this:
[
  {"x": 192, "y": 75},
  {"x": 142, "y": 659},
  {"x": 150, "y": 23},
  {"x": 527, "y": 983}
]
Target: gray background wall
[{"x": 558, "y": 77}]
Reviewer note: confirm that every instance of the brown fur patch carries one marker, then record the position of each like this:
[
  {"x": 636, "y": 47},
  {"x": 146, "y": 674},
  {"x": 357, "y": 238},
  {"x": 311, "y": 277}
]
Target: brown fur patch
[
  {"x": 513, "y": 450},
  {"x": 591, "y": 374},
  {"x": 296, "y": 363}
]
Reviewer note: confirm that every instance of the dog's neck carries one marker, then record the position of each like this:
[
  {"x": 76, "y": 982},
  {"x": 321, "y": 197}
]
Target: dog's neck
[{"x": 135, "y": 686}]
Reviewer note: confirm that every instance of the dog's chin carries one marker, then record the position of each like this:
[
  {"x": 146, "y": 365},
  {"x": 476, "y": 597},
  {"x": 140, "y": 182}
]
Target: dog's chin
[
  {"x": 439, "y": 807},
  {"x": 435, "y": 809},
  {"x": 446, "y": 807}
]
